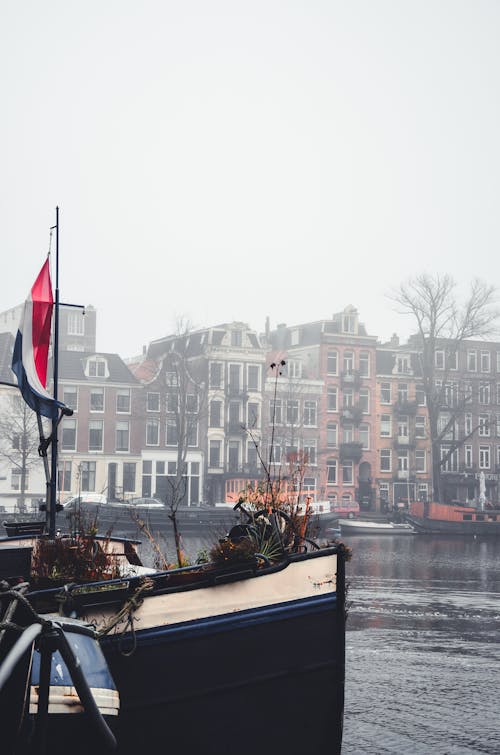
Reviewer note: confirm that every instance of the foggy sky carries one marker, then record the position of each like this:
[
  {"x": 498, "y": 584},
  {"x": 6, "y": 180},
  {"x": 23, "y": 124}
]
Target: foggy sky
[{"x": 232, "y": 160}]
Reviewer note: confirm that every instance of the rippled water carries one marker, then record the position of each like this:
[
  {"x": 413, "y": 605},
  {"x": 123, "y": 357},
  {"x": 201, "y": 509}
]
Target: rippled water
[
  {"x": 423, "y": 651},
  {"x": 423, "y": 645}
]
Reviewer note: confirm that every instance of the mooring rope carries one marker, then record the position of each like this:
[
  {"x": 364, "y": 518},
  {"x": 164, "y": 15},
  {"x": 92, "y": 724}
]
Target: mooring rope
[{"x": 126, "y": 614}]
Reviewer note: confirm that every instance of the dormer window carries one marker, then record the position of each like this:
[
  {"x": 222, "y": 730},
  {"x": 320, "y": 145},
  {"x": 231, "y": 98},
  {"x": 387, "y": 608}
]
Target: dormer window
[
  {"x": 97, "y": 367},
  {"x": 236, "y": 338}
]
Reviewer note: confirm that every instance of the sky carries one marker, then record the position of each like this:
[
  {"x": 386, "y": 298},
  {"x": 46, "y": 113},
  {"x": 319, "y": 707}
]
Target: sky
[{"x": 233, "y": 160}]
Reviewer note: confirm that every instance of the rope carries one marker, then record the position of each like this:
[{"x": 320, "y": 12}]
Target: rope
[{"x": 126, "y": 614}]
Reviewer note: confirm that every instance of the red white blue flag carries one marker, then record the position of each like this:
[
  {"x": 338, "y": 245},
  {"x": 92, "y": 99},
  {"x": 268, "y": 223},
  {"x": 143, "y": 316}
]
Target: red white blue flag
[{"x": 31, "y": 348}]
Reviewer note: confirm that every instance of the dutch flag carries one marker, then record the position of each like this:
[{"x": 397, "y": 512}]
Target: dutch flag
[{"x": 31, "y": 348}]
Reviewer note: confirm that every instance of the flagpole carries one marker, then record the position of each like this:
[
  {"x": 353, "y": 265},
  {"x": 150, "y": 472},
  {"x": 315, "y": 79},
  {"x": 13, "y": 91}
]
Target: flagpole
[{"x": 53, "y": 475}]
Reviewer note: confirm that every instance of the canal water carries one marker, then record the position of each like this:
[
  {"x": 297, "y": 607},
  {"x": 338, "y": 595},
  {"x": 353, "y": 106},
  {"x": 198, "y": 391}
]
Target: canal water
[{"x": 422, "y": 646}]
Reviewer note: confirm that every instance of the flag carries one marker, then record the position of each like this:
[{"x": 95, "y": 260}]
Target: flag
[{"x": 31, "y": 347}]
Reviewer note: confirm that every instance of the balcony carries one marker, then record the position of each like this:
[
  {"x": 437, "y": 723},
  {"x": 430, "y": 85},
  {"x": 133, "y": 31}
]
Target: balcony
[
  {"x": 351, "y": 414},
  {"x": 350, "y": 379},
  {"x": 405, "y": 407},
  {"x": 350, "y": 451}
]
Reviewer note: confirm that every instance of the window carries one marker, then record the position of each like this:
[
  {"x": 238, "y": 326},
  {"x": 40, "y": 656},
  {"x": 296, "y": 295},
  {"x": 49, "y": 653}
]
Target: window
[
  {"x": 95, "y": 435},
  {"x": 402, "y": 393},
  {"x": 252, "y": 456},
  {"x": 420, "y": 394},
  {"x": 347, "y": 472},
  {"x": 498, "y": 361},
  {"x": 472, "y": 361},
  {"x": 253, "y": 418},
  {"x": 349, "y": 323},
  {"x": 172, "y": 402},
  {"x": 234, "y": 413},
  {"x": 70, "y": 397},
  {"x": 331, "y": 471},
  {"x": 420, "y": 461},
  {"x": 97, "y": 368},
  {"x": 347, "y": 434},
  {"x": 215, "y": 454},
  {"x": 348, "y": 362},
  {"x": 498, "y": 425},
  {"x": 484, "y": 393},
  {"x": 215, "y": 374},
  {"x": 403, "y": 426},
  {"x": 453, "y": 360},
  {"x": 439, "y": 359},
  {"x": 15, "y": 479},
  {"x": 420, "y": 426},
  {"x": 484, "y": 457},
  {"x": 236, "y": 338},
  {"x": 347, "y": 398},
  {"x": 153, "y": 402},
  {"x": 233, "y": 455},
  {"x": 385, "y": 459},
  {"x": 64, "y": 476},
  {"x": 403, "y": 463},
  {"x": 485, "y": 361},
  {"x": 123, "y": 401},
  {"x": 192, "y": 434},
  {"x": 97, "y": 400},
  {"x": 292, "y": 412},
  {"x": 234, "y": 377},
  {"x": 152, "y": 432},
  {"x": 309, "y": 448},
  {"x": 422, "y": 491},
  {"x": 364, "y": 364},
  {"x": 172, "y": 438},
  {"x": 294, "y": 368},
  {"x": 253, "y": 377},
  {"x": 276, "y": 451},
  {"x": 129, "y": 477},
  {"x": 468, "y": 424},
  {"x": 331, "y": 435},
  {"x": 332, "y": 363},
  {"x": 276, "y": 412},
  {"x": 468, "y": 456},
  {"x": 75, "y": 324},
  {"x": 385, "y": 393},
  {"x": 403, "y": 364},
  {"x": 147, "y": 471},
  {"x": 87, "y": 476},
  {"x": 364, "y": 400},
  {"x": 364, "y": 436},
  {"x": 310, "y": 413},
  {"x": 68, "y": 439},
  {"x": 449, "y": 459},
  {"x": 385, "y": 426},
  {"x": 484, "y": 425},
  {"x": 192, "y": 403},
  {"x": 331, "y": 398},
  {"x": 122, "y": 436}
]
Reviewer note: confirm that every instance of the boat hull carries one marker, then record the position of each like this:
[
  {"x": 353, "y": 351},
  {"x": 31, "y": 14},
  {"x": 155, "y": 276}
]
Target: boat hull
[
  {"x": 236, "y": 665},
  {"x": 453, "y": 519},
  {"x": 349, "y": 527},
  {"x": 443, "y": 526}
]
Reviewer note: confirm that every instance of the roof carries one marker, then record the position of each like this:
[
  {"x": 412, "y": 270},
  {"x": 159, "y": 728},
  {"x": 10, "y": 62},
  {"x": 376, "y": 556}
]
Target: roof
[{"x": 72, "y": 367}]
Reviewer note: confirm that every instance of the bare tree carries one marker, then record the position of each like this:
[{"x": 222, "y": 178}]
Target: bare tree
[
  {"x": 186, "y": 391},
  {"x": 19, "y": 441},
  {"x": 444, "y": 324}
]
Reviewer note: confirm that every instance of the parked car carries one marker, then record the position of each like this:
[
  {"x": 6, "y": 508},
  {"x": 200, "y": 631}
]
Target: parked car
[
  {"x": 84, "y": 499},
  {"x": 145, "y": 503},
  {"x": 345, "y": 509}
]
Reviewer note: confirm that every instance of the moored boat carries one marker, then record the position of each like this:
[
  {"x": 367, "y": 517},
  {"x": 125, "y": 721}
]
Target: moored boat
[
  {"x": 367, "y": 527},
  {"x": 453, "y": 519},
  {"x": 229, "y": 655}
]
